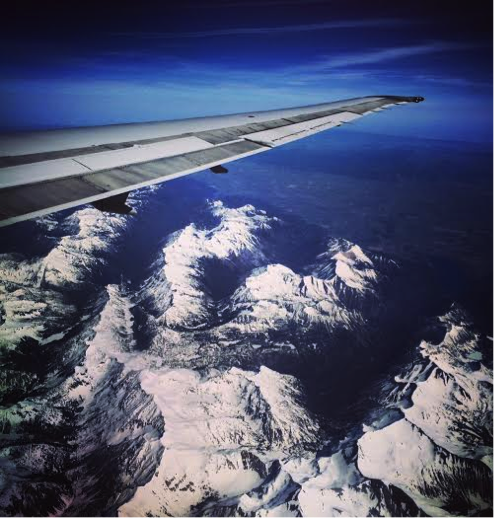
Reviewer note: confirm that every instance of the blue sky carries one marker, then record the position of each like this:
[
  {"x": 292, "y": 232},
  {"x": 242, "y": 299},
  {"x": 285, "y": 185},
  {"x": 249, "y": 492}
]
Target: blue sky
[{"x": 69, "y": 65}]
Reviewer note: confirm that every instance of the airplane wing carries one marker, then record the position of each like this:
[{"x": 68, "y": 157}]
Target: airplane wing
[{"x": 46, "y": 171}]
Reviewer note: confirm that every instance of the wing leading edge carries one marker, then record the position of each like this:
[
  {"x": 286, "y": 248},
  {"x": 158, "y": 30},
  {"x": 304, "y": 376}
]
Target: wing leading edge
[{"x": 44, "y": 172}]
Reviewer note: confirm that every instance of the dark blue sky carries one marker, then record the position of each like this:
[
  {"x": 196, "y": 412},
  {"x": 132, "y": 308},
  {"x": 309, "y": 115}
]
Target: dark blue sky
[{"x": 72, "y": 64}]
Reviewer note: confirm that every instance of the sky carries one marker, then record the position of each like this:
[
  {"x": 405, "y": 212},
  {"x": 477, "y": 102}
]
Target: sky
[{"x": 82, "y": 63}]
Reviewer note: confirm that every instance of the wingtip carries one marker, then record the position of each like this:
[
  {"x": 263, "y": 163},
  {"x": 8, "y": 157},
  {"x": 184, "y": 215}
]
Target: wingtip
[{"x": 406, "y": 99}]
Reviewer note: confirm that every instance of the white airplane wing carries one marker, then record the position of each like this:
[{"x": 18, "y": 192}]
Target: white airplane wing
[{"x": 46, "y": 171}]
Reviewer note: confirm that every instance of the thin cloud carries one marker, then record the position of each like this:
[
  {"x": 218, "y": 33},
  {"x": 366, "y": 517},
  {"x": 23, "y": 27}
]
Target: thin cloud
[
  {"x": 378, "y": 56},
  {"x": 341, "y": 68},
  {"x": 238, "y": 31}
]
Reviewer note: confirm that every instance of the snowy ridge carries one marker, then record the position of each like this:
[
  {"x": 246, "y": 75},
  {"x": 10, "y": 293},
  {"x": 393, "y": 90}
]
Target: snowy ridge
[
  {"x": 219, "y": 433},
  {"x": 117, "y": 419},
  {"x": 113, "y": 340},
  {"x": 48, "y": 309},
  {"x": 170, "y": 409},
  {"x": 368, "y": 498},
  {"x": 30, "y": 289},
  {"x": 459, "y": 354},
  {"x": 274, "y": 296},
  {"x": 351, "y": 266},
  {"x": 402, "y": 455},
  {"x": 32, "y": 313},
  {"x": 342, "y": 284},
  {"x": 447, "y": 427},
  {"x": 236, "y": 240},
  {"x": 89, "y": 236},
  {"x": 453, "y": 405},
  {"x": 354, "y": 268},
  {"x": 77, "y": 255},
  {"x": 222, "y": 434},
  {"x": 17, "y": 270}
]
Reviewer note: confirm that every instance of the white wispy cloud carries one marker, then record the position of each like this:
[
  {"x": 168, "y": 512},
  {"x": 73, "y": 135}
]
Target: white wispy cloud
[
  {"x": 352, "y": 65},
  {"x": 323, "y": 76},
  {"x": 236, "y": 31},
  {"x": 343, "y": 67},
  {"x": 376, "y": 56}
]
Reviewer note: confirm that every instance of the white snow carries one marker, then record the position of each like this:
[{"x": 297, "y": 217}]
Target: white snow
[
  {"x": 274, "y": 295},
  {"x": 113, "y": 338},
  {"x": 355, "y": 269},
  {"x": 221, "y": 431},
  {"x": 428, "y": 453},
  {"x": 235, "y": 239},
  {"x": 237, "y": 437},
  {"x": 401, "y": 455},
  {"x": 77, "y": 255},
  {"x": 344, "y": 501},
  {"x": 453, "y": 405}
]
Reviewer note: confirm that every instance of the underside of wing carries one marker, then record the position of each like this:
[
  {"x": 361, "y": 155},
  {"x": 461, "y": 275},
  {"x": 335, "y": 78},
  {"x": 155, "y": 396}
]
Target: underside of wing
[{"x": 48, "y": 171}]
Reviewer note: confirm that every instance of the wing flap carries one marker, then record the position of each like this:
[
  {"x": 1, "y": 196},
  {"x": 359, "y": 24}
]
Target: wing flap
[
  {"x": 220, "y": 136},
  {"x": 291, "y": 132},
  {"x": 23, "y": 202},
  {"x": 142, "y": 153},
  {"x": 85, "y": 164}
]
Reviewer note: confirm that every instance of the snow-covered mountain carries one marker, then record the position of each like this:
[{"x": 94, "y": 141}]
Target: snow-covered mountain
[
  {"x": 79, "y": 255},
  {"x": 49, "y": 303},
  {"x": 440, "y": 451},
  {"x": 265, "y": 301},
  {"x": 192, "y": 253},
  {"x": 226, "y": 435},
  {"x": 190, "y": 394},
  {"x": 273, "y": 296}
]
